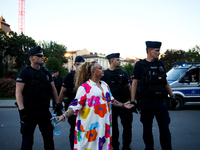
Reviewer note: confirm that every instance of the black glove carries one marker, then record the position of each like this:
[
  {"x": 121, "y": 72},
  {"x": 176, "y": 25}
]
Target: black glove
[
  {"x": 173, "y": 102},
  {"x": 58, "y": 110},
  {"x": 135, "y": 108},
  {"x": 23, "y": 115}
]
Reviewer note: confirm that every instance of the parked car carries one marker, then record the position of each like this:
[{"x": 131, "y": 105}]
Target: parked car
[{"x": 184, "y": 81}]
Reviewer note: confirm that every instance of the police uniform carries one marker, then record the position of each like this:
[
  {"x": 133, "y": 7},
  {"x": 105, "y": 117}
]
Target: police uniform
[
  {"x": 58, "y": 81},
  {"x": 36, "y": 93},
  {"x": 117, "y": 81},
  {"x": 70, "y": 94},
  {"x": 152, "y": 94}
]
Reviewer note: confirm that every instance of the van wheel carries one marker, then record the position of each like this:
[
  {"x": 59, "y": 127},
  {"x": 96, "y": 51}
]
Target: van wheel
[{"x": 179, "y": 103}]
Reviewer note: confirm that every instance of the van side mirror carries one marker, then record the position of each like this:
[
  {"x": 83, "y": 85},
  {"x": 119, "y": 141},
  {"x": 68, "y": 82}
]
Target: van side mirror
[{"x": 185, "y": 80}]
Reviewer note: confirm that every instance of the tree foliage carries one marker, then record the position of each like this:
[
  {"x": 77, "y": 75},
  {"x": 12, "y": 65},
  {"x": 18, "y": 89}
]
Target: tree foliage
[
  {"x": 193, "y": 55},
  {"x": 16, "y": 46},
  {"x": 171, "y": 56},
  {"x": 54, "y": 64},
  {"x": 128, "y": 68},
  {"x": 52, "y": 49}
]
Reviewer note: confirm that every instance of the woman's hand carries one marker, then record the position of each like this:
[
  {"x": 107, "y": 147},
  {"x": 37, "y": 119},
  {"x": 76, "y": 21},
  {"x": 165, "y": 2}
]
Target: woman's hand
[
  {"x": 128, "y": 105},
  {"x": 60, "y": 118}
]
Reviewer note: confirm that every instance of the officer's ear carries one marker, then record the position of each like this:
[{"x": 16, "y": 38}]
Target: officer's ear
[
  {"x": 111, "y": 60},
  {"x": 148, "y": 50}
]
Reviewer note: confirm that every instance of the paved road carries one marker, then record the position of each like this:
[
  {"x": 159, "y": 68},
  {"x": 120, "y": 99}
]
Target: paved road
[{"x": 185, "y": 130}]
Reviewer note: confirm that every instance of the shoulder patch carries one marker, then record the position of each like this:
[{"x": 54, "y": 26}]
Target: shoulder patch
[{"x": 19, "y": 79}]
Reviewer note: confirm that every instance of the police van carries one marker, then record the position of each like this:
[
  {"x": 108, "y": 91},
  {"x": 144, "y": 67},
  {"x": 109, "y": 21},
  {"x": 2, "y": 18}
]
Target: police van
[{"x": 184, "y": 81}]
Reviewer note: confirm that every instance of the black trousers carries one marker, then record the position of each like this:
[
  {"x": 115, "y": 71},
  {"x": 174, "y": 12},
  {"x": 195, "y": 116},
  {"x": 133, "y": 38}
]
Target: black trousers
[
  {"x": 72, "y": 122},
  {"x": 53, "y": 100},
  {"x": 126, "y": 117},
  {"x": 42, "y": 119},
  {"x": 157, "y": 108}
]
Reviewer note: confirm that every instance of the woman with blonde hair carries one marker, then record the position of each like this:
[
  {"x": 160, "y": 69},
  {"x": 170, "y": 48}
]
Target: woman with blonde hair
[{"x": 92, "y": 105}]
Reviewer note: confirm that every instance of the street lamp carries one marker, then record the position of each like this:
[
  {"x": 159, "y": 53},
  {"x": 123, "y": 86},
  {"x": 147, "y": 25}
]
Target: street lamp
[{"x": 4, "y": 63}]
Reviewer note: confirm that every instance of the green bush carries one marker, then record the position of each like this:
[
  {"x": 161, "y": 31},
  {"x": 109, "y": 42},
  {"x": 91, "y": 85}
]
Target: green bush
[{"x": 7, "y": 87}]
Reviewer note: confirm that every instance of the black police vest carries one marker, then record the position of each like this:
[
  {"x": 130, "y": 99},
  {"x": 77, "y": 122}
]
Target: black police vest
[
  {"x": 154, "y": 78},
  {"x": 70, "y": 93},
  {"x": 37, "y": 90},
  {"x": 118, "y": 85}
]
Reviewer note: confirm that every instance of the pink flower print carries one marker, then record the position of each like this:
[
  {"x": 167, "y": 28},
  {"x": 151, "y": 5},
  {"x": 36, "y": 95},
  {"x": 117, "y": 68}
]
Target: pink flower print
[
  {"x": 107, "y": 131},
  {"x": 82, "y": 100},
  {"x": 87, "y": 87},
  {"x": 93, "y": 101},
  {"x": 109, "y": 146},
  {"x": 75, "y": 137}
]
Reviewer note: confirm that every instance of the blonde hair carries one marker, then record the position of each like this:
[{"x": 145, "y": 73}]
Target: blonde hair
[{"x": 84, "y": 73}]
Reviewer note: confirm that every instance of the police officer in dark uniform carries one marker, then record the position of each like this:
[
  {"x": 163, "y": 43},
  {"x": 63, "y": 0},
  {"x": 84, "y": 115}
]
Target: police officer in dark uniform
[
  {"x": 68, "y": 91},
  {"x": 34, "y": 86},
  {"x": 153, "y": 89},
  {"x": 58, "y": 84},
  {"x": 120, "y": 89}
]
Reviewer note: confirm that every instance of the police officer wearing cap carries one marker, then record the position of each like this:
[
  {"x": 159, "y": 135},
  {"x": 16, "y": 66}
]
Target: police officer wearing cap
[
  {"x": 120, "y": 89},
  {"x": 34, "y": 87},
  {"x": 58, "y": 84},
  {"x": 153, "y": 89},
  {"x": 68, "y": 91}
]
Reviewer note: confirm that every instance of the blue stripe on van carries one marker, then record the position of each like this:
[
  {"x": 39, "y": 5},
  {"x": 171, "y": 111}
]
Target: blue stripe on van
[{"x": 189, "y": 91}]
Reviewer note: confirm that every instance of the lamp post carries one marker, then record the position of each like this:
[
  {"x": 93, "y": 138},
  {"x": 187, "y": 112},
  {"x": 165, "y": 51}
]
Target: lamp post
[{"x": 4, "y": 63}]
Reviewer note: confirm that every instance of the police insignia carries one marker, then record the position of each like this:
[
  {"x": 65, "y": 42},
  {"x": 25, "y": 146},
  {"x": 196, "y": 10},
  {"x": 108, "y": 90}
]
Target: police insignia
[{"x": 47, "y": 78}]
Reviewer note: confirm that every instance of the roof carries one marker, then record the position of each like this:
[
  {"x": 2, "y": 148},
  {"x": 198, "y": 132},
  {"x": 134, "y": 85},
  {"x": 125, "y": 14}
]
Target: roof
[{"x": 3, "y": 25}]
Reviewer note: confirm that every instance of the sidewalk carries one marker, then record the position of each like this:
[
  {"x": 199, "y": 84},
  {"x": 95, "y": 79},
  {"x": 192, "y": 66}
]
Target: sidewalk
[
  {"x": 7, "y": 104},
  {"x": 11, "y": 104}
]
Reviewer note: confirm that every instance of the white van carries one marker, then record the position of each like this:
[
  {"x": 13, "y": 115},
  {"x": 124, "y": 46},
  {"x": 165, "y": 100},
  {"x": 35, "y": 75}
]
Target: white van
[{"x": 184, "y": 81}]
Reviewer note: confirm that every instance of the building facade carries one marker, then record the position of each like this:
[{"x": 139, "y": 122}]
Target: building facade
[{"x": 89, "y": 56}]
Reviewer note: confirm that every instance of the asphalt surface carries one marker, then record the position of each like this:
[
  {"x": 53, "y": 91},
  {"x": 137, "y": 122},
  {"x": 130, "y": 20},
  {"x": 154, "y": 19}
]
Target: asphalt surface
[{"x": 184, "y": 127}]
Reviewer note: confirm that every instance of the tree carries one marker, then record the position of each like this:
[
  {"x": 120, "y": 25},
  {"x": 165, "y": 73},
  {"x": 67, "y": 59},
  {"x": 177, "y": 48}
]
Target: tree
[
  {"x": 52, "y": 49},
  {"x": 171, "y": 56},
  {"x": 193, "y": 55},
  {"x": 18, "y": 46},
  {"x": 128, "y": 68},
  {"x": 54, "y": 64},
  {"x": 3, "y": 44}
]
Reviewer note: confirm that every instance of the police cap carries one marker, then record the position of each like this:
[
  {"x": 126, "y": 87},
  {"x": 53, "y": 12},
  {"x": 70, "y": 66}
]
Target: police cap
[
  {"x": 153, "y": 44},
  {"x": 79, "y": 59},
  {"x": 113, "y": 55},
  {"x": 34, "y": 50},
  {"x": 55, "y": 71}
]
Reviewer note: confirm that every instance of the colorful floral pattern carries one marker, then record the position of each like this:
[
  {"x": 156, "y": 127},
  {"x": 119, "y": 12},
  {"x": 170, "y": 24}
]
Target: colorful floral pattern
[
  {"x": 101, "y": 142},
  {"x": 100, "y": 110},
  {"x": 93, "y": 101},
  {"x": 93, "y": 125},
  {"x": 91, "y": 135},
  {"x": 85, "y": 112}
]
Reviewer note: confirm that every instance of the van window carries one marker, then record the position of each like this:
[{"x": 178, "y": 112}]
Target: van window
[
  {"x": 193, "y": 75},
  {"x": 175, "y": 73}
]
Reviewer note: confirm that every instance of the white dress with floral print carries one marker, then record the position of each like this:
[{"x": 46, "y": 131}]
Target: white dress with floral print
[{"x": 93, "y": 129}]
